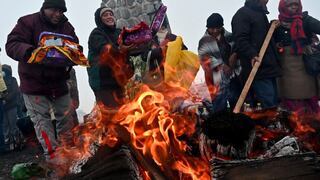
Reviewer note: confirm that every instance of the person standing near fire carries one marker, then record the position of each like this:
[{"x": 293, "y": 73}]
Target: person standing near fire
[
  {"x": 108, "y": 69},
  {"x": 43, "y": 86},
  {"x": 250, "y": 25},
  {"x": 108, "y": 73},
  {"x": 3, "y": 93},
  {"x": 219, "y": 63},
  {"x": 12, "y": 134},
  {"x": 298, "y": 90}
]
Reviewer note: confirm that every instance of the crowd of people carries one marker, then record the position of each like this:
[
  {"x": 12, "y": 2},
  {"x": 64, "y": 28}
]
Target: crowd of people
[{"x": 48, "y": 92}]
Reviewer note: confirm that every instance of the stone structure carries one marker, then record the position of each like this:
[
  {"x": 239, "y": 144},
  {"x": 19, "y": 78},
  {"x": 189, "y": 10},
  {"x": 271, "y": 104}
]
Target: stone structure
[{"x": 130, "y": 12}]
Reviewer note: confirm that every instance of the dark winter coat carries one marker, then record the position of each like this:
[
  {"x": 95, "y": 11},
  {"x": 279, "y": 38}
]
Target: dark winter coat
[
  {"x": 37, "y": 79},
  {"x": 11, "y": 99},
  {"x": 250, "y": 26},
  {"x": 100, "y": 74}
]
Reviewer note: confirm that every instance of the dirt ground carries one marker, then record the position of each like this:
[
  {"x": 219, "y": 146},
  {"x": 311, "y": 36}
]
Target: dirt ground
[{"x": 30, "y": 153}]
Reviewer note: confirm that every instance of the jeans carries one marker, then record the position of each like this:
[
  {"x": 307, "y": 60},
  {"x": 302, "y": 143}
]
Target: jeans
[{"x": 265, "y": 92}]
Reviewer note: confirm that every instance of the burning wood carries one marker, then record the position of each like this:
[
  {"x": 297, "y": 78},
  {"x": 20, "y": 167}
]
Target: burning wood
[
  {"x": 157, "y": 136},
  {"x": 286, "y": 146},
  {"x": 150, "y": 131}
]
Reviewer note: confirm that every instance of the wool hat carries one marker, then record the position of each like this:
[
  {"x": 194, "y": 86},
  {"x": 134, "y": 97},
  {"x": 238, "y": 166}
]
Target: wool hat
[
  {"x": 215, "y": 20},
  {"x": 59, "y": 4},
  {"x": 103, "y": 10}
]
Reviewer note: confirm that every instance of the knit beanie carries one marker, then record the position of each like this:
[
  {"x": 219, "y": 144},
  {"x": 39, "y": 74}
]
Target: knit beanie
[
  {"x": 59, "y": 4},
  {"x": 215, "y": 20},
  {"x": 104, "y": 9}
]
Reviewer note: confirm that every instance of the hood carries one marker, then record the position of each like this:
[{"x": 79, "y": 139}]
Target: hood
[
  {"x": 98, "y": 21},
  {"x": 255, "y": 5},
  {"x": 7, "y": 70}
]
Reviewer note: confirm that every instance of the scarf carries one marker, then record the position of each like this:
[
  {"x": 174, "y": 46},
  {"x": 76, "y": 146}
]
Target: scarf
[{"x": 296, "y": 30}]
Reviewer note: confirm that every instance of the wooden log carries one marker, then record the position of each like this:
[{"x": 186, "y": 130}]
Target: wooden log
[{"x": 300, "y": 166}]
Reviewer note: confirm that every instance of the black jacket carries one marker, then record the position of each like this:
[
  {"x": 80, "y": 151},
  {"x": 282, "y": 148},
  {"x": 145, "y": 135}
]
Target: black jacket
[
  {"x": 100, "y": 75},
  {"x": 11, "y": 99},
  {"x": 250, "y": 26}
]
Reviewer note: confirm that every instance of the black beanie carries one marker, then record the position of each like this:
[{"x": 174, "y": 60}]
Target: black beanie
[
  {"x": 215, "y": 20},
  {"x": 59, "y": 4}
]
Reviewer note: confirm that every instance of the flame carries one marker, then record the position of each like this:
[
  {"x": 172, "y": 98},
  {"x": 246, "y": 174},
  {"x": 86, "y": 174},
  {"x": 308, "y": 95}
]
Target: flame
[
  {"x": 150, "y": 128},
  {"x": 155, "y": 132}
]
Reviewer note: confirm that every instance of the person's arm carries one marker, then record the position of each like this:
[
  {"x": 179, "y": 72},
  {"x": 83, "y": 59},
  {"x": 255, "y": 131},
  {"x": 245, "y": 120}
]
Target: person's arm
[
  {"x": 13, "y": 90},
  {"x": 97, "y": 42},
  {"x": 19, "y": 42},
  {"x": 242, "y": 34},
  {"x": 209, "y": 54},
  {"x": 312, "y": 24}
]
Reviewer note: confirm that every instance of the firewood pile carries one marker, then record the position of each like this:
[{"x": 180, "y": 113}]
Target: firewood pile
[{"x": 265, "y": 144}]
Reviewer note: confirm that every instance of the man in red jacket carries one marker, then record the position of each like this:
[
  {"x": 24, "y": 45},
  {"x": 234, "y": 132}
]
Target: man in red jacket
[{"x": 44, "y": 87}]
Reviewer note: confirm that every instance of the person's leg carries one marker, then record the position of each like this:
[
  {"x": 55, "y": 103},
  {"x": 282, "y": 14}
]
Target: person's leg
[
  {"x": 220, "y": 101},
  {"x": 265, "y": 91},
  {"x": 1, "y": 127},
  {"x": 63, "y": 110},
  {"x": 6, "y": 127},
  {"x": 38, "y": 110},
  {"x": 12, "y": 121},
  {"x": 235, "y": 91}
]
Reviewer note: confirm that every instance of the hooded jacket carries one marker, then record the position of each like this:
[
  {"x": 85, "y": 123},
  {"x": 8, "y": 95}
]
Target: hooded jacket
[
  {"x": 11, "y": 99},
  {"x": 101, "y": 75},
  {"x": 249, "y": 27},
  {"x": 37, "y": 79}
]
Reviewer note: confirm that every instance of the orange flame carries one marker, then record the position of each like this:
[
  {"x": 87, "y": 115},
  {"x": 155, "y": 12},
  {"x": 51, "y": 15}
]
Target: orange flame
[{"x": 154, "y": 131}]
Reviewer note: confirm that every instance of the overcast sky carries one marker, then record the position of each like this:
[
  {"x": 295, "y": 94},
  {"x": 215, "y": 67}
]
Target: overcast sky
[{"x": 187, "y": 18}]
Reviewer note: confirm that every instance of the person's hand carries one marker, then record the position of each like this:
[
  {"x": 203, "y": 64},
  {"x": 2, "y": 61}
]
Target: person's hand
[
  {"x": 28, "y": 53},
  {"x": 125, "y": 48},
  {"x": 276, "y": 23},
  {"x": 254, "y": 60},
  {"x": 227, "y": 70},
  {"x": 233, "y": 60}
]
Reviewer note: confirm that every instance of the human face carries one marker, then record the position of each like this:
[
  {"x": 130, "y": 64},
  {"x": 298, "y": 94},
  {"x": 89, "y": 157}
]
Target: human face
[
  {"x": 54, "y": 15},
  {"x": 293, "y": 7},
  {"x": 108, "y": 18},
  {"x": 215, "y": 32}
]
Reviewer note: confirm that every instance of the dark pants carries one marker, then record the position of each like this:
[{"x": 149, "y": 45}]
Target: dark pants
[
  {"x": 230, "y": 93},
  {"x": 265, "y": 92}
]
